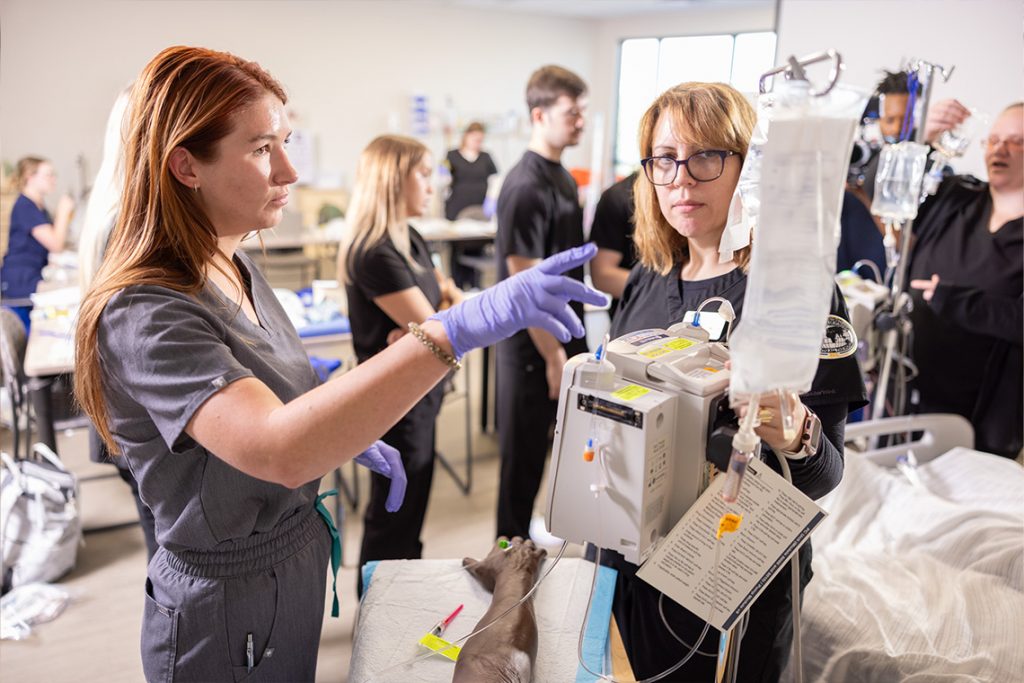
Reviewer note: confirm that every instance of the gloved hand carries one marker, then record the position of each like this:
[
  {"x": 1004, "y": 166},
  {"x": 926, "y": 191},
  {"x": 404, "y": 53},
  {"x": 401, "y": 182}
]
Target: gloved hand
[
  {"x": 536, "y": 297},
  {"x": 383, "y": 459}
]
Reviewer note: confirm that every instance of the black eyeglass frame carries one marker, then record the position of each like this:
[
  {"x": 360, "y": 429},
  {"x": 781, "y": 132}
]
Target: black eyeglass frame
[{"x": 722, "y": 154}]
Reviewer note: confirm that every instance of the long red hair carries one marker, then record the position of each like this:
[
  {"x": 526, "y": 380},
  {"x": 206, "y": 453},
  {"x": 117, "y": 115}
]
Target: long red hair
[{"x": 185, "y": 97}]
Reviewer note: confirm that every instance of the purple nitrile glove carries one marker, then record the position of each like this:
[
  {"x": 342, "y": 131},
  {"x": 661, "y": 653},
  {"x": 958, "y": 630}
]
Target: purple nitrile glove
[
  {"x": 383, "y": 459},
  {"x": 536, "y": 297}
]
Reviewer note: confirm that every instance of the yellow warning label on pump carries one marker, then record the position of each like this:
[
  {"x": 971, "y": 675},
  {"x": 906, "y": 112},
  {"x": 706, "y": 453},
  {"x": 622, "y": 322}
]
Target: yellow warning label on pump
[
  {"x": 441, "y": 646},
  {"x": 679, "y": 344},
  {"x": 667, "y": 348},
  {"x": 630, "y": 392}
]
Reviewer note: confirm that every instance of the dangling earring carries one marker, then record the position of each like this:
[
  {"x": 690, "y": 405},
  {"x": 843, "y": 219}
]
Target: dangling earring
[{"x": 196, "y": 188}]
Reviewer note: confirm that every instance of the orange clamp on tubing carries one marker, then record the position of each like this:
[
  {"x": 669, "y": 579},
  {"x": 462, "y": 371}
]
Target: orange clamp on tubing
[{"x": 729, "y": 523}]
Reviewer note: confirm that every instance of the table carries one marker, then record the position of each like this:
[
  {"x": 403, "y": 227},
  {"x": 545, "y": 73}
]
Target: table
[
  {"x": 49, "y": 354},
  {"x": 456, "y": 235}
]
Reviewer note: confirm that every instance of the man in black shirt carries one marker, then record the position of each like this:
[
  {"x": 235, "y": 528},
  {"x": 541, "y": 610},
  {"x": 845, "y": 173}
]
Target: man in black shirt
[
  {"x": 538, "y": 215},
  {"x": 612, "y": 231}
]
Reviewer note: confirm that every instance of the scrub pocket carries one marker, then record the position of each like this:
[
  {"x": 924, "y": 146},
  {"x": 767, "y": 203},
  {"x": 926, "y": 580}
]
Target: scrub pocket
[
  {"x": 250, "y": 610},
  {"x": 159, "y": 639}
]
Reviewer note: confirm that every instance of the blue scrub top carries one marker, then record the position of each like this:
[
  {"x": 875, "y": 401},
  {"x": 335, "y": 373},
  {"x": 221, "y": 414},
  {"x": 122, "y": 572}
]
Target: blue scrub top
[
  {"x": 25, "y": 257},
  {"x": 860, "y": 238}
]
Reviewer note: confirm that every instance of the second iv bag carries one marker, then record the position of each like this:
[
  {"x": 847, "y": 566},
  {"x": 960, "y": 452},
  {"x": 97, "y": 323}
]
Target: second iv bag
[{"x": 898, "y": 181}]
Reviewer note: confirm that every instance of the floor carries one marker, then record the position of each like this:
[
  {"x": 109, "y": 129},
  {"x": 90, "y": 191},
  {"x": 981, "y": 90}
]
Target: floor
[{"x": 97, "y": 636}]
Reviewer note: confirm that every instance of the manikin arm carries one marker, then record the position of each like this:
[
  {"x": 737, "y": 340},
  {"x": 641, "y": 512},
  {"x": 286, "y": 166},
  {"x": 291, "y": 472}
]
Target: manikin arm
[{"x": 505, "y": 652}]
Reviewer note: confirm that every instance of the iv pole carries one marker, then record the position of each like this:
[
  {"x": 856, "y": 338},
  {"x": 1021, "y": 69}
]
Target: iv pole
[
  {"x": 900, "y": 302},
  {"x": 730, "y": 641}
]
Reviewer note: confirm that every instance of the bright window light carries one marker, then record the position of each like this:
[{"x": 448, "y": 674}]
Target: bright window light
[
  {"x": 638, "y": 86},
  {"x": 754, "y": 54},
  {"x": 696, "y": 58}
]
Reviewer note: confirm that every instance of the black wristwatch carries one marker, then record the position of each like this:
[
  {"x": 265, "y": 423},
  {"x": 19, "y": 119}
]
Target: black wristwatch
[{"x": 810, "y": 438}]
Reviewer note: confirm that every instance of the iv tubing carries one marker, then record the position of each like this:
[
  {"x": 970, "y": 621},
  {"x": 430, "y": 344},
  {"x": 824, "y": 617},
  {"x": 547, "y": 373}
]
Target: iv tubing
[
  {"x": 656, "y": 677},
  {"x": 872, "y": 266}
]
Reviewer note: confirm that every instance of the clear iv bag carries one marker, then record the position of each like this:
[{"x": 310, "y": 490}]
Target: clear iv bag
[
  {"x": 801, "y": 167},
  {"x": 898, "y": 181}
]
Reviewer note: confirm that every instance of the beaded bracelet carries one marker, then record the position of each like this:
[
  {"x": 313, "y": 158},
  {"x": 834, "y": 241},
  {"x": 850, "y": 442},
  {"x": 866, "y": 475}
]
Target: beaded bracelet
[{"x": 442, "y": 355}]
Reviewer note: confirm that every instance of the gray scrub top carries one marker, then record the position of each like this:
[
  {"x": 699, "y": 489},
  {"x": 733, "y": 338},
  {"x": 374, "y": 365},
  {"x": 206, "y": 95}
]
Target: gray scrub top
[{"x": 163, "y": 354}]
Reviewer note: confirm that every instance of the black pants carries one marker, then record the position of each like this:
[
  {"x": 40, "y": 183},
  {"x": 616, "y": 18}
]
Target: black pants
[
  {"x": 766, "y": 645},
  {"x": 396, "y": 535},
  {"x": 525, "y": 415}
]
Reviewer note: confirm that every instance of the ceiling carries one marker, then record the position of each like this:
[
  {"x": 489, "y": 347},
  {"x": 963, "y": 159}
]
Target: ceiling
[{"x": 602, "y": 9}]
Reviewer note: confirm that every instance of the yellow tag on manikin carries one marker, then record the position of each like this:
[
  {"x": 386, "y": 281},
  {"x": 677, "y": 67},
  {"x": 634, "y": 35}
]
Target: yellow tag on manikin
[
  {"x": 630, "y": 392},
  {"x": 729, "y": 523},
  {"x": 441, "y": 646}
]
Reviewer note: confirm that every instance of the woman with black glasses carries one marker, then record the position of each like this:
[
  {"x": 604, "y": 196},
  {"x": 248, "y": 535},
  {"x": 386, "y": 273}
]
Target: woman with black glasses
[{"x": 693, "y": 139}]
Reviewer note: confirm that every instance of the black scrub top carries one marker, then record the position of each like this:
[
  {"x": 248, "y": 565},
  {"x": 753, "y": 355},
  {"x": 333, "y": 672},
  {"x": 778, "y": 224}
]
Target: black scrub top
[
  {"x": 653, "y": 300},
  {"x": 469, "y": 181},
  {"x": 613, "y": 225},
  {"x": 378, "y": 271},
  {"x": 163, "y": 354},
  {"x": 539, "y": 215},
  {"x": 967, "y": 340}
]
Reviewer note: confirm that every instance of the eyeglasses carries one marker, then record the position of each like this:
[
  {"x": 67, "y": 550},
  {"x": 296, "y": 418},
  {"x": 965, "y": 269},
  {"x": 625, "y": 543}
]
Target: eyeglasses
[
  {"x": 571, "y": 114},
  {"x": 1013, "y": 142},
  {"x": 703, "y": 166}
]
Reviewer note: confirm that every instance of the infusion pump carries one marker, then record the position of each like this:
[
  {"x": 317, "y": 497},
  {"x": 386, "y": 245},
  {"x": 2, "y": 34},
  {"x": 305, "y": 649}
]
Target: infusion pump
[{"x": 631, "y": 437}]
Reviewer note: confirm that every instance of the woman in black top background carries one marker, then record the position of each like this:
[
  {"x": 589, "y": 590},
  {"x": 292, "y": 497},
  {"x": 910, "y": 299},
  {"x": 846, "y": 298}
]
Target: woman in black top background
[
  {"x": 693, "y": 139},
  {"x": 470, "y": 167},
  {"x": 390, "y": 282},
  {"x": 967, "y": 276}
]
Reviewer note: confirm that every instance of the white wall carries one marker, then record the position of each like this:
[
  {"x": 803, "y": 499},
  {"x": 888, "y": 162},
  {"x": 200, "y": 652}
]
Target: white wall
[
  {"x": 982, "y": 38},
  {"x": 349, "y": 67}
]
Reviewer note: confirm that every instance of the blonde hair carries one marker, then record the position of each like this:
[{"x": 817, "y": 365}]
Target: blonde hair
[
  {"x": 377, "y": 209},
  {"x": 105, "y": 195},
  {"x": 712, "y": 115},
  {"x": 25, "y": 169}
]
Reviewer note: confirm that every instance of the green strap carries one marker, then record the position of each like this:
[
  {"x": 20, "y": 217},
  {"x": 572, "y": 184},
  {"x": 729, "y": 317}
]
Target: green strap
[{"x": 335, "y": 544}]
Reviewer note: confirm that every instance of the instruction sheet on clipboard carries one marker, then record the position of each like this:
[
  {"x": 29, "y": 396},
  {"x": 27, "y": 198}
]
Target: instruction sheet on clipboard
[{"x": 777, "y": 519}]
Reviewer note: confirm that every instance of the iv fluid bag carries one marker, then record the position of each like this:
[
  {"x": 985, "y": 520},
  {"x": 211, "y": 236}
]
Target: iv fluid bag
[
  {"x": 898, "y": 181},
  {"x": 801, "y": 166}
]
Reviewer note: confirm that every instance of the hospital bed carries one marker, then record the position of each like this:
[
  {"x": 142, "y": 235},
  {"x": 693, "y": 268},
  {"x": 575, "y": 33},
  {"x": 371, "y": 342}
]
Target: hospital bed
[{"x": 918, "y": 571}]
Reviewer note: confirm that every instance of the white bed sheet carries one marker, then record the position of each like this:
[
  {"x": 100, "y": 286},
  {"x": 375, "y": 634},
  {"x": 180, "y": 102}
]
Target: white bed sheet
[{"x": 919, "y": 583}]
